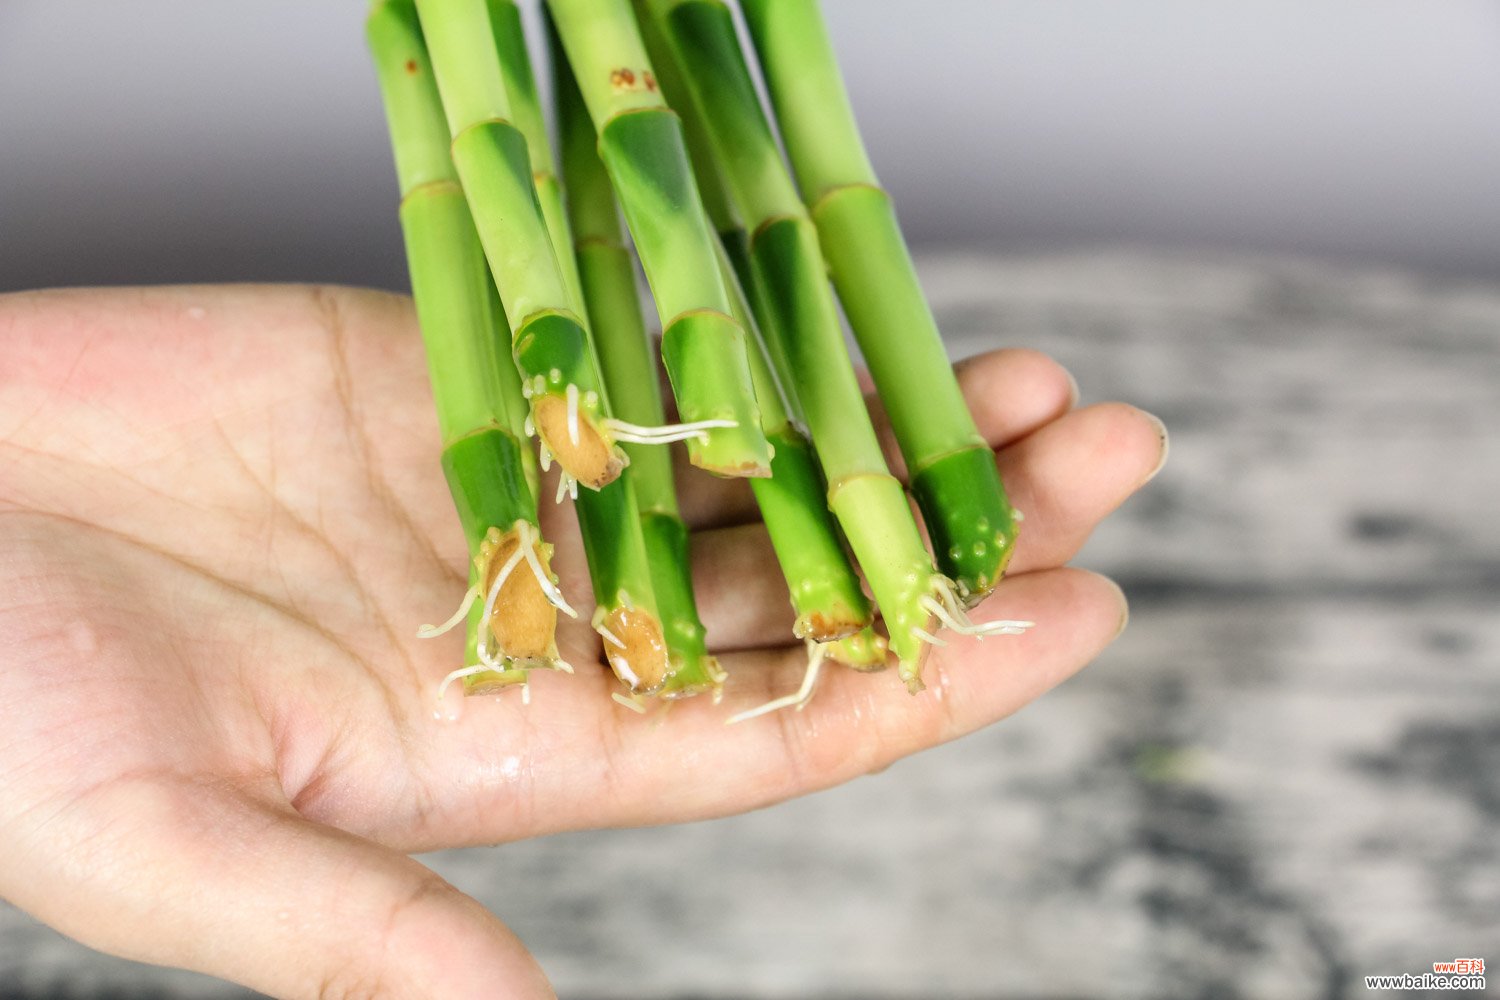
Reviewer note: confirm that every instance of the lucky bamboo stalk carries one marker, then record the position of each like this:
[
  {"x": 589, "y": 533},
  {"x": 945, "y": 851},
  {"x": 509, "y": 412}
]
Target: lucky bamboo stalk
[
  {"x": 510, "y": 611},
  {"x": 607, "y": 274},
  {"x": 952, "y": 470},
  {"x": 787, "y": 265},
  {"x": 549, "y": 341},
  {"x": 640, "y": 142},
  {"x": 825, "y": 590},
  {"x": 626, "y": 611}
]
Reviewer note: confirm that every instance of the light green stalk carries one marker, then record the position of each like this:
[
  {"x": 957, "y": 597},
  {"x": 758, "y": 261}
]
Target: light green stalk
[
  {"x": 476, "y": 391},
  {"x": 549, "y": 341},
  {"x": 824, "y": 587},
  {"x": 788, "y": 267},
  {"x": 953, "y": 472},
  {"x": 640, "y": 142},
  {"x": 608, "y": 519},
  {"x": 608, "y": 281}
]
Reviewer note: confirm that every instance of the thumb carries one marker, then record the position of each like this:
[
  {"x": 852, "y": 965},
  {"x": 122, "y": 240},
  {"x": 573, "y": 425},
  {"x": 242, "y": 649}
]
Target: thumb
[{"x": 218, "y": 883}]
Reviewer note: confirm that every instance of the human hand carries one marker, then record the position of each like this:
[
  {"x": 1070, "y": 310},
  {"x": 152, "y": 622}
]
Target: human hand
[{"x": 222, "y": 519}]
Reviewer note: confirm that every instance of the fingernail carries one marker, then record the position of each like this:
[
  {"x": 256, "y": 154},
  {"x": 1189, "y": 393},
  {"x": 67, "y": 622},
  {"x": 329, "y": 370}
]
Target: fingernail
[
  {"x": 1166, "y": 445},
  {"x": 1124, "y": 610},
  {"x": 1073, "y": 394}
]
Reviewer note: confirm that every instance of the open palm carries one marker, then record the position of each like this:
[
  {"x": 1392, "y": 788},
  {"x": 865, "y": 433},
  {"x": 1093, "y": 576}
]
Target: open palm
[{"x": 221, "y": 521}]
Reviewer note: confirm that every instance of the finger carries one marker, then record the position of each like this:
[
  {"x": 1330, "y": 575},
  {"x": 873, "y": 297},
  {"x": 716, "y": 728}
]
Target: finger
[
  {"x": 1010, "y": 393},
  {"x": 1067, "y": 476},
  {"x": 743, "y": 598},
  {"x": 855, "y": 723},
  {"x": 207, "y": 880},
  {"x": 709, "y": 501},
  {"x": 1064, "y": 478}
]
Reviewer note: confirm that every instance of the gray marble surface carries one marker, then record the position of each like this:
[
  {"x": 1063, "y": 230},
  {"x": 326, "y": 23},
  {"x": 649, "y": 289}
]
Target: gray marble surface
[{"x": 1284, "y": 776}]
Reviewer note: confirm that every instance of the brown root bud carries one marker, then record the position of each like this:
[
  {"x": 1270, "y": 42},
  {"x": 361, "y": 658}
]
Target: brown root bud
[
  {"x": 820, "y": 626},
  {"x": 635, "y": 648},
  {"x": 524, "y": 620},
  {"x": 593, "y": 460}
]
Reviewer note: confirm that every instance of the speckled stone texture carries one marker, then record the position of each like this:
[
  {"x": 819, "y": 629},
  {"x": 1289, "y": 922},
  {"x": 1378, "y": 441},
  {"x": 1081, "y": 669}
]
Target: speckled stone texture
[{"x": 1284, "y": 776}]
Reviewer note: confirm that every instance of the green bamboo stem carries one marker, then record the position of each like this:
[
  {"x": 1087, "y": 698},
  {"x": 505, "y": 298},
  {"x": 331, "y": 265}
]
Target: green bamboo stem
[
  {"x": 721, "y": 212},
  {"x": 952, "y": 469},
  {"x": 608, "y": 282},
  {"x": 825, "y": 590},
  {"x": 640, "y": 141},
  {"x": 787, "y": 265},
  {"x": 549, "y": 341},
  {"x": 475, "y": 391},
  {"x": 609, "y": 521}
]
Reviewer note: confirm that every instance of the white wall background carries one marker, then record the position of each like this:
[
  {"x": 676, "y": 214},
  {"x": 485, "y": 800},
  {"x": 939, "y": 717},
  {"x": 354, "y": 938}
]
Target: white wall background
[{"x": 173, "y": 140}]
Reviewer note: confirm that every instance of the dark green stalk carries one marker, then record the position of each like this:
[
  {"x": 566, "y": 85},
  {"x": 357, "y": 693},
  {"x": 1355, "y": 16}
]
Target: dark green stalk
[
  {"x": 640, "y": 142},
  {"x": 549, "y": 341},
  {"x": 788, "y": 269},
  {"x": 457, "y": 310},
  {"x": 953, "y": 473},
  {"x": 608, "y": 281}
]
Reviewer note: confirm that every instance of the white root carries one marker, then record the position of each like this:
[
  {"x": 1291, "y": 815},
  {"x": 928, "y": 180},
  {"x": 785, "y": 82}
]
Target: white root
[
  {"x": 635, "y": 704},
  {"x": 622, "y": 667},
  {"x": 529, "y": 538},
  {"x": 460, "y": 674},
  {"x": 928, "y": 637},
  {"x": 567, "y": 486},
  {"x": 433, "y": 631},
  {"x": 572, "y": 395},
  {"x": 952, "y": 614},
  {"x": 457, "y": 675},
  {"x": 799, "y": 699},
  {"x": 621, "y": 430}
]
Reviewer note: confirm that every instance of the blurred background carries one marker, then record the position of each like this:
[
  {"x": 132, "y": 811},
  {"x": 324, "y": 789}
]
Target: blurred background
[{"x": 1275, "y": 224}]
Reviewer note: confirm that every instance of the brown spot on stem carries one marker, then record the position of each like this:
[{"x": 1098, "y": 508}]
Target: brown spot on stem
[
  {"x": 593, "y": 461},
  {"x": 649, "y": 80},
  {"x": 642, "y": 661},
  {"x": 825, "y": 627},
  {"x": 411, "y": 66},
  {"x": 524, "y": 622}
]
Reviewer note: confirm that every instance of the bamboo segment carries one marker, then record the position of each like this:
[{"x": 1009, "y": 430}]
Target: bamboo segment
[
  {"x": 549, "y": 342},
  {"x": 802, "y": 323},
  {"x": 825, "y": 590},
  {"x": 478, "y": 409},
  {"x": 608, "y": 283},
  {"x": 609, "y": 521},
  {"x": 953, "y": 473},
  {"x": 640, "y": 141}
]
